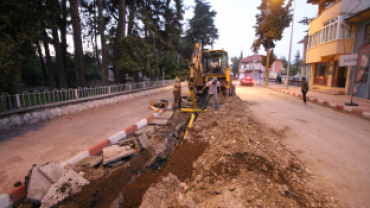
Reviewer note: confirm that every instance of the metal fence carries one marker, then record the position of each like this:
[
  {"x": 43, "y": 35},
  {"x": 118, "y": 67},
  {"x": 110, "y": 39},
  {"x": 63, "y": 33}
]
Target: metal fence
[{"x": 35, "y": 98}]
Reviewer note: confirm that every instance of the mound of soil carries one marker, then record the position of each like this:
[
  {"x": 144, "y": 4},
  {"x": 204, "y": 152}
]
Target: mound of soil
[{"x": 245, "y": 165}]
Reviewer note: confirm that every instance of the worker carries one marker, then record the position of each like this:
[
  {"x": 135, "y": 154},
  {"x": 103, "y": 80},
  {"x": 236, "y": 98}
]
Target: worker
[
  {"x": 177, "y": 93},
  {"x": 212, "y": 90},
  {"x": 213, "y": 65}
]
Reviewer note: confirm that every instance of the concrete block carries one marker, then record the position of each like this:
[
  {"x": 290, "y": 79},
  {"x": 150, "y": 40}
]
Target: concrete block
[
  {"x": 5, "y": 201},
  {"x": 91, "y": 161},
  {"x": 115, "y": 152},
  {"x": 52, "y": 171},
  {"x": 167, "y": 115},
  {"x": 159, "y": 122},
  {"x": 148, "y": 129},
  {"x": 142, "y": 142},
  {"x": 38, "y": 186},
  {"x": 70, "y": 183}
]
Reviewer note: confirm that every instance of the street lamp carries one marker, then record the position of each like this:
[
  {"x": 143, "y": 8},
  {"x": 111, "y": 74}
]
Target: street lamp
[{"x": 290, "y": 47}]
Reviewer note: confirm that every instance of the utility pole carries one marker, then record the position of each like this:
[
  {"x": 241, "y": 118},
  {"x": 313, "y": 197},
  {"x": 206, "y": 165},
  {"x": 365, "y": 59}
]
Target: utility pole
[{"x": 290, "y": 47}]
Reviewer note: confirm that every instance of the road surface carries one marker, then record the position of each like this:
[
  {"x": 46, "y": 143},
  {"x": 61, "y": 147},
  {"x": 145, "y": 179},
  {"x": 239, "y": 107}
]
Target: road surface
[
  {"x": 63, "y": 137},
  {"x": 333, "y": 144}
]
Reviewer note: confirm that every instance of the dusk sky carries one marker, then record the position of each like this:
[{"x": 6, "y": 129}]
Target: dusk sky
[{"x": 235, "y": 20}]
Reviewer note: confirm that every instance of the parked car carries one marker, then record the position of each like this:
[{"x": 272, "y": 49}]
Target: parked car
[{"x": 248, "y": 81}]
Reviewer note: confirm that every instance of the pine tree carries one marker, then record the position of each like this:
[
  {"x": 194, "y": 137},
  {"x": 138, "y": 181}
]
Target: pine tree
[{"x": 202, "y": 28}]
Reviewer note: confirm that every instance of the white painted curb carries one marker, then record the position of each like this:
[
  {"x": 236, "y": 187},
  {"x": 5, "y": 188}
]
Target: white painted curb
[
  {"x": 117, "y": 136},
  {"x": 5, "y": 201}
]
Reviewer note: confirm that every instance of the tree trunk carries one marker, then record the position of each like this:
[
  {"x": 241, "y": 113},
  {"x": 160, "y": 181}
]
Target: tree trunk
[
  {"x": 48, "y": 61},
  {"x": 267, "y": 66},
  {"x": 58, "y": 54},
  {"x": 131, "y": 18},
  {"x": 41, "y": 59},
  {"x": 103, "y": 43},
  {"x": 63, "y": 34},
  {"x": 119, "y": 74},
  {"x": 80, "y": 75}
]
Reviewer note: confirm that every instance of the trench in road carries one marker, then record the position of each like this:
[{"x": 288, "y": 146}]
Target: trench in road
[{"x": 334, "y": 144}]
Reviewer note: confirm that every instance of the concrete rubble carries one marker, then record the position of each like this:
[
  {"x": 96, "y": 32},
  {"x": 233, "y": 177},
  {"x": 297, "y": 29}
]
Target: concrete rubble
[
  {"x": 69, "y": 183},
  {"x": 167, "y": 115},
  {"x": 37, "y": 185},
  {"x": 142, "y": 142},
  {"x": 52, "y": 171},
  {"x": 115, "y": 152},
  {"x": 147, "y": 129},
  {"x": 160, "y": 122},
  {"x": 91, "y": 161}
]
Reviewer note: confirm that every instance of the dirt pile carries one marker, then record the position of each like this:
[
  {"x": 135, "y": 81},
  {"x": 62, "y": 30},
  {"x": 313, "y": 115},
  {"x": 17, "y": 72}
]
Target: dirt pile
[{"x": 245, "y": 165}]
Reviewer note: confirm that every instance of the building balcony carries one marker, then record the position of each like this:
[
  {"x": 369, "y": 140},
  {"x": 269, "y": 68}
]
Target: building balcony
[{"x": 324, "y": 51}]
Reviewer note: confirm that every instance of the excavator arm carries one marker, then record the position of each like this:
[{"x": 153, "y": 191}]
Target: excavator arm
[{"x": 196, "y": 66}]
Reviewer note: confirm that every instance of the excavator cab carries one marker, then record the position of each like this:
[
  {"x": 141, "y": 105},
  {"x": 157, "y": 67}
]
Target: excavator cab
[{"x": 213, "y": 58}]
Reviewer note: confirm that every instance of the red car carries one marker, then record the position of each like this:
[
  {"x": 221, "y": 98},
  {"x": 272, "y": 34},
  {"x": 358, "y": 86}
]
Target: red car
[{"x": 247, "y": 81}]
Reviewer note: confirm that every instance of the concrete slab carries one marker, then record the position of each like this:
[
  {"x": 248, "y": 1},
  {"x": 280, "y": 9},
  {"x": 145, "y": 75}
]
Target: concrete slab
[
  {"x": 70, "y": 183},
  {"x": 91, "y": 161},
  {"x": 142, "y": 142},
  {"x": 148, "y": 129},
  {"x": 160, "y": 122},
  {"x": 52, "y": 171},
  {"x": 167, "y": 115},
  {"x": 115, "y": 152},
  {"x": 37, "y": 187}
]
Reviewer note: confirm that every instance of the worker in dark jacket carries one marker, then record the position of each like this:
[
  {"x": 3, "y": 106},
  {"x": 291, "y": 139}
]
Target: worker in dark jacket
[
  {"x": 177, "y": 93},
  {"x": 304, "y": 89}
]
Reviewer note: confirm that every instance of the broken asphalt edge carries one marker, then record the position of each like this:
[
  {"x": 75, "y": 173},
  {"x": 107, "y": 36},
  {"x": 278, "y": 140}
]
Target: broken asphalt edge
[
  {"x": 15, "y": 196},
  {"x": 326, "y": 103}
]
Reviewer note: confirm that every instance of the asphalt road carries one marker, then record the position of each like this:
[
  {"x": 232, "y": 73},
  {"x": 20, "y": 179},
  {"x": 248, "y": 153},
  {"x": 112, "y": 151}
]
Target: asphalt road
[{"x": 333, "y": 144}]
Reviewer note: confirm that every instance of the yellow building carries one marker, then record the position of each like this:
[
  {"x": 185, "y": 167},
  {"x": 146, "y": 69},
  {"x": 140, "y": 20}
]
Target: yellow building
[{"x": 329, "y": 37}]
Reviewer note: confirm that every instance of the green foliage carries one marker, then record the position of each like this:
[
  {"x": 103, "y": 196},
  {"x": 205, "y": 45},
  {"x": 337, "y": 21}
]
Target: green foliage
[
  {"x": 202, "y": 28},
  {"x": 134, "y": 55},
  {"x": 32, "y": 72},
  {"x": 235, "y": 62},
  {"x": 273, "y": 18},
  {"x": 18, "y": 31}
]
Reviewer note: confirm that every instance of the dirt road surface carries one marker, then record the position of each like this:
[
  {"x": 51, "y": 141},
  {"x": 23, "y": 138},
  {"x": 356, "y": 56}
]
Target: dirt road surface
[
  {"x": 65, "y": 136},
  {"x": 335, "y": 145}
]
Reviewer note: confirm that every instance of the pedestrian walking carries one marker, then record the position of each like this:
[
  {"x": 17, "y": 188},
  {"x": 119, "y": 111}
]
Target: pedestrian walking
[
  {"x": 212, "y": 91},
  {"x": 304, "y": 89},
  {"x": 177, "y": 93}
]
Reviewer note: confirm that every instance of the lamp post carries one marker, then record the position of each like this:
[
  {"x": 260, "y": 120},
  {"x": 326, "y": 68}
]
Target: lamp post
[{"x": 290, "y": 47}]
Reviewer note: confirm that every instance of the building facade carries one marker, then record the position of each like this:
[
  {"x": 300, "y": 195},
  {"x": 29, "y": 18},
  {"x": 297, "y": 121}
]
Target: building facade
[
  {"x": 252, "y": 65},
  {"x": 329, "y": 37},
  {"x": 361, "y": 85}
]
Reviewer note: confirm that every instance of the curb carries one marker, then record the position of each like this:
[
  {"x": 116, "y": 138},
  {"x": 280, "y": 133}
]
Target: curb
[
  {"x": 15, "y": 196},
  {"x": 327, "y": 103}
]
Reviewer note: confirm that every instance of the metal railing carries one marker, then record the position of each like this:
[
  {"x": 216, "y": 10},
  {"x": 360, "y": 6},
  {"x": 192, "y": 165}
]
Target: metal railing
[{"x": 35, "y": 98}]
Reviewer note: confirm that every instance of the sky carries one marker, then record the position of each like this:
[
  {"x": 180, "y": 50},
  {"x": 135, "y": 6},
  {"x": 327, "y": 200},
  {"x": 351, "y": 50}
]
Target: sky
[{"x": 235, "y": 20}]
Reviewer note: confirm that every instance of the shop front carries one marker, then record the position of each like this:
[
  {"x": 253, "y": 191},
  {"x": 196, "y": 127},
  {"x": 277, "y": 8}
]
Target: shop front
[{"x": 329, "y": 77}]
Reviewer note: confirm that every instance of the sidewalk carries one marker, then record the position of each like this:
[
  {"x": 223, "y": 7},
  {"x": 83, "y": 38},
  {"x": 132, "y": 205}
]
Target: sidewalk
[
  {"x": 334, "y": 101},
  {"x": 66, "y": 136}
]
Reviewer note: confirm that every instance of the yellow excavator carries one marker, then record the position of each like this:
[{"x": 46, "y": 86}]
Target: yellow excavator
[{"x": 201, "y": 72}]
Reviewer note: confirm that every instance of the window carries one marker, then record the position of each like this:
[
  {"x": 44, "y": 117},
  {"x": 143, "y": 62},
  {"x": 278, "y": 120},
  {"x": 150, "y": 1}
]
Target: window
[
  {"x": 321, "y": 73},
  {"x": 329, "y": 4},
  {"x": 345, "y": 31}
]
